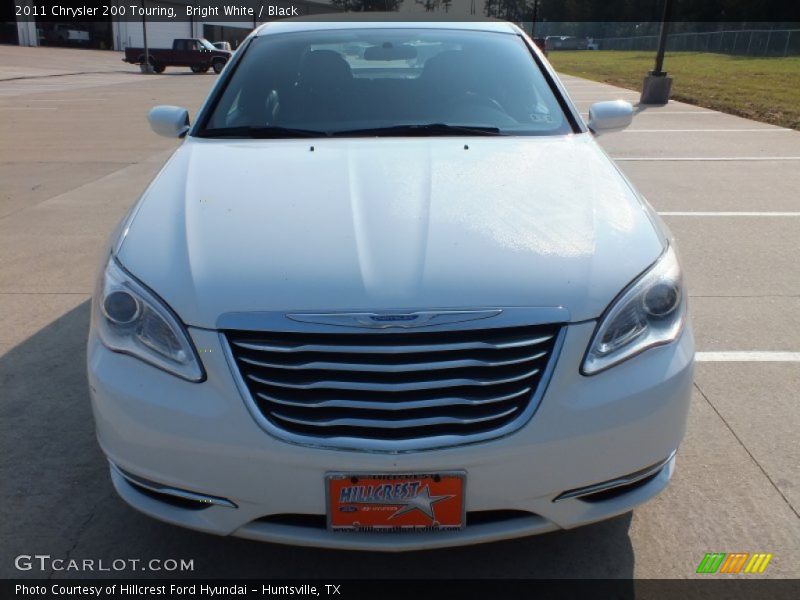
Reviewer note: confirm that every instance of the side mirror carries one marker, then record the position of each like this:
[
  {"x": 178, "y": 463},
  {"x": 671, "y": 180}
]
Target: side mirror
[
  {"x": 169, "y": 121},
  {"x": 610, "y": 116}
]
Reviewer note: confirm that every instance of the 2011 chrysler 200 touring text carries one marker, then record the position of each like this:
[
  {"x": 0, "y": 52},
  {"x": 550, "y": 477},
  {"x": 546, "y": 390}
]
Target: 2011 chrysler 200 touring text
[{"x": 389, "y": 283}]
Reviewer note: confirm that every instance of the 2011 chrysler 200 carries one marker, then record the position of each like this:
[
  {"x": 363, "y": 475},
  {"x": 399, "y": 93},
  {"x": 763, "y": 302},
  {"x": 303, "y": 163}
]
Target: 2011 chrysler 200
[{"x": 389, "y": 283}]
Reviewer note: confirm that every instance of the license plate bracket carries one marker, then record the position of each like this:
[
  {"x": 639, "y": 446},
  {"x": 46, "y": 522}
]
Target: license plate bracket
[{"x": 395, "y": 502}]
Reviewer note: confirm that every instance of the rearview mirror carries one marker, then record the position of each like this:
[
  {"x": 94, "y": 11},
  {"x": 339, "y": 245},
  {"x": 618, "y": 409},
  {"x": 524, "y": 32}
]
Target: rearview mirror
[
  {"x": 388, "y": 51},
  {"x": 169, "y": 121},
  {"x": 610, "y": 116}
]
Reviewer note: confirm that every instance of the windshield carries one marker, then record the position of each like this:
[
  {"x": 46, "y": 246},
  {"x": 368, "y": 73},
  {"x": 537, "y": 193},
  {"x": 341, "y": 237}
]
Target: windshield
[
  {"x": 207, "y": 45},
  {"x": 386, "y": 82}
]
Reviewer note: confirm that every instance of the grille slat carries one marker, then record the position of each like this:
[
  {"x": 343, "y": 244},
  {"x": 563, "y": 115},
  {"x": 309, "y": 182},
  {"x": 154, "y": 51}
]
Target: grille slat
[
  {"x": 393, "y": 386},
  {"x": 395, "y": 424},
  {"x": 394, "y": 406},
  {"x": 391, "y": 349},
  {"x": 393, "y": 368},
  {"x": 335, "y": 384}
]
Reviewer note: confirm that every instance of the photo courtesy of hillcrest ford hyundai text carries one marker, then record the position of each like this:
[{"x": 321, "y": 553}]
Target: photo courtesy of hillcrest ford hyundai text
[{"x": 389, "y": 284}]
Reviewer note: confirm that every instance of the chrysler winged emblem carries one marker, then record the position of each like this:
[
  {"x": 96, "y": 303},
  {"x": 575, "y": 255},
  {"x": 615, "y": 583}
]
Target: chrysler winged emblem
[{"x": 385, "y": 320}]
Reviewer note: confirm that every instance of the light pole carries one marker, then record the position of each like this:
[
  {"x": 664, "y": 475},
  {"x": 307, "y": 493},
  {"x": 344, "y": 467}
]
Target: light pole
[
  {"x": 534, "y": 18},
  {"x": 146, "y": 67},
  {"x": 657, "y": 85}
]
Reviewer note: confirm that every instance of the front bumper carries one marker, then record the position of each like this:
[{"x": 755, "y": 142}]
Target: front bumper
[{"x": 201, "y": 437}]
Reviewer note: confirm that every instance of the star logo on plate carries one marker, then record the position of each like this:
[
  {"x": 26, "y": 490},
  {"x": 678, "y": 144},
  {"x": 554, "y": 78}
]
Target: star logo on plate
[{"x": 422, "y": 502}]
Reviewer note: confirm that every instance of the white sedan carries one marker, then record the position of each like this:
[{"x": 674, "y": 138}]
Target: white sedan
[{"x": 389, "y": 294}]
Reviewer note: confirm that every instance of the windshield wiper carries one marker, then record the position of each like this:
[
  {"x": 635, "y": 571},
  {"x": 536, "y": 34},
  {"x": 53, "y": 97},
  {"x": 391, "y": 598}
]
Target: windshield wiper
[
  {"x": 421, "y": 130},
  {"x": 265, "y": 132},
  {"x": 430, "y": 129}
]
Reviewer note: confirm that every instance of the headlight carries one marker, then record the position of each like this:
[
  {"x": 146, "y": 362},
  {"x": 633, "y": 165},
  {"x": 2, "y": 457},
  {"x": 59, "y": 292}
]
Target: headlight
[
  {"x": 131, "y": 319},
  {"x": 650, "y": 312}
]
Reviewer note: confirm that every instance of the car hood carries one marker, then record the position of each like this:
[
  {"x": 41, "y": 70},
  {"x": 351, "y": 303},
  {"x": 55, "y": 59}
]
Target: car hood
[{"x": 388, "y": 223}]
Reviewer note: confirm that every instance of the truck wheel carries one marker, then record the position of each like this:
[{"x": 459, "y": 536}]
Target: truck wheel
[
  {"x": 197, "y": 69},
  {"x": 159, "y": 68},
  {"x": 218, "y": 65}
]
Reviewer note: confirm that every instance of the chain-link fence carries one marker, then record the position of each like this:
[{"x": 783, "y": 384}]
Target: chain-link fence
[{"x": 749, "y": 42}]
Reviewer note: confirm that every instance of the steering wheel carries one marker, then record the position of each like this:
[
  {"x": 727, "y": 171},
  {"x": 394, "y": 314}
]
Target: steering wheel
[
  {"x": 470, "y": 107},
  {"x": 481, "y": 100}
]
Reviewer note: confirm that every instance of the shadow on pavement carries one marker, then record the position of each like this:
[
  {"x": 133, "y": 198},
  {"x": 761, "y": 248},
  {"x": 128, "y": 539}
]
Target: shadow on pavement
[{"x": 58, "y": 499}]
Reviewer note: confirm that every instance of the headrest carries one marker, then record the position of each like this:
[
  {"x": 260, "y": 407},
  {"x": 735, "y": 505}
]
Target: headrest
[{"x": 324, "y": 70}]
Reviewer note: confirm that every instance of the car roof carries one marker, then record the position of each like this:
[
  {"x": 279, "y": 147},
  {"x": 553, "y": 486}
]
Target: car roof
[{"x": 375, "y": 20}]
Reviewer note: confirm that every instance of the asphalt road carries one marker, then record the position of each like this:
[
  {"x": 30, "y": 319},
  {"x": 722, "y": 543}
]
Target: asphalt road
[{"x": 77, "y": 152}]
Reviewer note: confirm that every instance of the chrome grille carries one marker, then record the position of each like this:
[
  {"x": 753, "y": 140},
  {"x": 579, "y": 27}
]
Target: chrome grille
[{"x": 375, "y": 385}]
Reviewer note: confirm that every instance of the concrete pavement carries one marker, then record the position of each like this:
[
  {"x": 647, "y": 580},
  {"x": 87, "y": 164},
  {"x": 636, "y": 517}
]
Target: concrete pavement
[
  {"x": 21, "y": 62},
  {"x": 77, "y": 152}
]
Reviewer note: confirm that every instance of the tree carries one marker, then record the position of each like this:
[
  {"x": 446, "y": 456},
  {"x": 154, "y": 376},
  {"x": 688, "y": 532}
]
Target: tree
[
  {"x": 509, "y": 10},
  {"x": 435, "y": 5},
  {"x": 367, "y": 5}
]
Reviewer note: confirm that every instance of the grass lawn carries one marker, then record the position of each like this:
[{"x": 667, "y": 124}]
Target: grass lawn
[{"x": 765, "y": 89}]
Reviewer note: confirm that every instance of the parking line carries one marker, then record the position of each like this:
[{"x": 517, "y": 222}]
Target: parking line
[
  {"x": 759, "y": 130},
  {"x": 746, "y": 356},
  {"x": 678, "y": 112},
  {"x": 594, "y": 97},
  {"x": 702, "y": 158},
  {"x": 671, "y": 112},
  {"x": 728, "y": 214},
  {"x": 48, "y": 100}
]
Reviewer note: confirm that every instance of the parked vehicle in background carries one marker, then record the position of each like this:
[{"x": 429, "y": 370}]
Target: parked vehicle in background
[
  {"x": 565, "y": 42},
  {"x": 222, "y": 46},
  {"x": 196, "y": 53},
  {"x": 68, "y": 34}
]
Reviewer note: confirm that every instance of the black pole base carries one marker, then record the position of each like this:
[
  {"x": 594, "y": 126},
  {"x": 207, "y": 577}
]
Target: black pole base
[{"x": 656, "y": 89}]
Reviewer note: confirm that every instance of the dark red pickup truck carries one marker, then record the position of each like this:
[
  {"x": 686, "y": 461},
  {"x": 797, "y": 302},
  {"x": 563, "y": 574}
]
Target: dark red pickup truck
[{"x": 196, "y": 53}]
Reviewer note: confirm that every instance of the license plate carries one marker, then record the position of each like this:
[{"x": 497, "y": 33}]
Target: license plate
[{"x": 395, "y": 502}]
